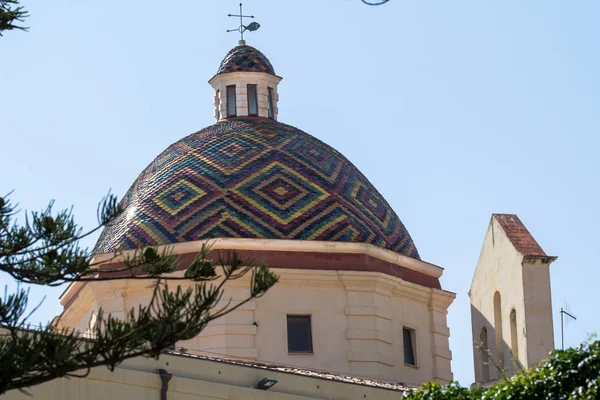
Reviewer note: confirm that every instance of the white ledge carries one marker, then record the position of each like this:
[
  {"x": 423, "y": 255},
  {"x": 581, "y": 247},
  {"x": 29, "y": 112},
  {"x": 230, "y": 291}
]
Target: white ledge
[{"x": 304, "y": 246}]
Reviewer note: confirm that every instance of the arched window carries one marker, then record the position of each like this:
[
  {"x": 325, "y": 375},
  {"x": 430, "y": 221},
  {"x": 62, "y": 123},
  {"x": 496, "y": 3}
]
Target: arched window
[
  {"x": 498, "y": 329},
  {"x": 484, "y": 350},
  {"x": 270, "y": 99},
  {"x": 514, "y": 343}
]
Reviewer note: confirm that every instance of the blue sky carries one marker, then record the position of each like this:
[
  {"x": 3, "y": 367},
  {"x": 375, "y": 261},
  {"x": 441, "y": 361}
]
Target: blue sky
[{"x": 453, "y": 109}]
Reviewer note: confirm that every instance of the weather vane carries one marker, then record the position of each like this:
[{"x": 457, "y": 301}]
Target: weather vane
[{"x": 243, "y": 28}]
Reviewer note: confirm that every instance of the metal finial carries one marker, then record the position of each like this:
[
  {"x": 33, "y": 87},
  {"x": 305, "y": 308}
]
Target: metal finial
[{"x": 243, "y": 28}]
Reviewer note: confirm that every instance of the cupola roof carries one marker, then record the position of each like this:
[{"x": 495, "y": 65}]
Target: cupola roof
[{"x": 244, "y": 58}]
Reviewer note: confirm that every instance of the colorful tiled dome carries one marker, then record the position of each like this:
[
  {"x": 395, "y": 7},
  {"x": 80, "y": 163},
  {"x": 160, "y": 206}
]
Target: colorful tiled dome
[
  {"x": 246, "y": 59},
  {"x": 253, "y": 178}
]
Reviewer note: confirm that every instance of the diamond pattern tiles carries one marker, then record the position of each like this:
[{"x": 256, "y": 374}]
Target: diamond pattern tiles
[
  {"x": 253, "y": 178},
  {"x": 280, "y": 193},
  {"x": 245, "y": 59},
  {"x": 177, "y": 197}
]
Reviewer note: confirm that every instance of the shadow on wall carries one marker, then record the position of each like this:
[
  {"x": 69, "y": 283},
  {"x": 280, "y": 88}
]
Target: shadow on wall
[{"x": 493, "y": 356}]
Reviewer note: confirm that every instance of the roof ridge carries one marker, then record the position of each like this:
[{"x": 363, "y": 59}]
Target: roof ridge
[{"x": 519, "y": 235}]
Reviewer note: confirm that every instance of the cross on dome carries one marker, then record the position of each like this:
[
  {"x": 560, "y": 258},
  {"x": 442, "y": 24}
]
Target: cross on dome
[{"x": 243, "y": 28}]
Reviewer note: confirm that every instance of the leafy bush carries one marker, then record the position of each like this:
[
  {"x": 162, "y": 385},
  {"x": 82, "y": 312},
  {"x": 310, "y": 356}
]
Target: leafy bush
[{"x": 572, "y": 374}]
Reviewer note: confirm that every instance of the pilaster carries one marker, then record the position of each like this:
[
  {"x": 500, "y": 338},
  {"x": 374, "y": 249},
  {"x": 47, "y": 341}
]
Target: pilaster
[
  {"x": 111, "y": 296},
  {"x": 440, "y": 345},
  {"x": 234, "y": 334},
  {"x": 369, "y": 325}
]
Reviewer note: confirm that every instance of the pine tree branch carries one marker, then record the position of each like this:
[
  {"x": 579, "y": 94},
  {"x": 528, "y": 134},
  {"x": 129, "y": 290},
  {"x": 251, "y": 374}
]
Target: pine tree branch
[
  {"x": 11, "y": 13},
  {"x": 45, "y": 251}
]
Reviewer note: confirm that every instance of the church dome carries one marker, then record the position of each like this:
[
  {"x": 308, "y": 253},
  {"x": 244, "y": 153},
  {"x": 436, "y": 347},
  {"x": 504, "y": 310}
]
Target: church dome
[
  {"x": 253, "y": 178},
  {"x": 245, "y": 58}
]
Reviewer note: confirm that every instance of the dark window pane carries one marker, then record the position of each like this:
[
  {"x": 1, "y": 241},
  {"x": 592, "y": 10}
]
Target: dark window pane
[
  {"x": 271, "y": 111},
  {"x": 409, "y": 351},
  {"x": 231, "y": 109},
  {"x": 252, "y": 100},
  {"x": 168, "y": 329},
  {"x": 299, "y": 334}
]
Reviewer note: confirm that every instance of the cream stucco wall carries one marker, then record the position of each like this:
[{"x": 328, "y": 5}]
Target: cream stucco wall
[
  {"x": 241, "y": 79},
  {"x": 524, "y": 287},
  {"x": 197, "y": 379},
  {"x": 357, "y": 320}
]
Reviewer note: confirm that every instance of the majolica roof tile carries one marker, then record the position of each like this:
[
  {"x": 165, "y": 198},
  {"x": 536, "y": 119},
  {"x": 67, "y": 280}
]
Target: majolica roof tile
[
  {"x": 253, "y": 178},
  {"x": 245, "y": 59}
]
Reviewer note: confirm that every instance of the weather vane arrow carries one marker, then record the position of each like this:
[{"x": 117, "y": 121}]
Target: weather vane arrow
[{"x": 243, "y": 28}]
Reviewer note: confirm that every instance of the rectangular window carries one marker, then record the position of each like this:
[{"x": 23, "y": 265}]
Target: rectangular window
[
  {"x": 299, "y": 334},
  {"x": 231, "y": 109},
  {"x": 271, "y": 111},
  {"x": 167, "y": 330},
  {"x": 409, "y": 346},
  {"x": 252, "y": 100}
]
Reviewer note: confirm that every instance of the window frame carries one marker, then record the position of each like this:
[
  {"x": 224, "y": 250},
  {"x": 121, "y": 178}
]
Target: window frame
[
  {"x": 271, "y": 113},
  {"x": 310, "y": 339},
  {"x": 230, "y": 102},
  {"x": 255, "y": 99},
  {"x": 413, "y": 339}
]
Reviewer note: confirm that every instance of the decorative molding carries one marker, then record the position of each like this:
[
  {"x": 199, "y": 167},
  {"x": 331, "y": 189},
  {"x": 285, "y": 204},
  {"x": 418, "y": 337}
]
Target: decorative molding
[
  {"x": 369, "y": 334},
  {"x": 369, "y": 311},
  {"x": 301, "y": 246},
  {"x": 539, "y": 260},
  {"x": 371, "y": 357},
  {"x": 229, "y": 329}
]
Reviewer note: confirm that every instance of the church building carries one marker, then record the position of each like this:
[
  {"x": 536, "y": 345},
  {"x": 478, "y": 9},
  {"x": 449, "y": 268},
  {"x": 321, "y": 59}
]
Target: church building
[
  {"x": 357, "y": 313},
  {"x": 354, "y": 296}
]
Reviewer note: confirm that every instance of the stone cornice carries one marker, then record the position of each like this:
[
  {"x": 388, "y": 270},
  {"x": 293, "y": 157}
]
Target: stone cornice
[
  {"x": 305, "y": 246},
  {"x": 243, "y": 76},
  {"x": 280, "y": 246},
  {"x": 539, "y": 259}
]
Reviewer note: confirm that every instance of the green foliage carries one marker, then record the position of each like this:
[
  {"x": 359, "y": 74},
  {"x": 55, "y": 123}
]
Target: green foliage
[
  {"x": 572, "y": 374},
  {"x": 45, "y": 250},
  {"x": 11, "y": 13}
]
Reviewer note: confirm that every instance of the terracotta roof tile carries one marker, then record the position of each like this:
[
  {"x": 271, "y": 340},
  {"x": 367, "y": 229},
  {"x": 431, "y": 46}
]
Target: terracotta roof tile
[
  {"x": 342, "y": 378},
  {"x": 519, "y": 235}
]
